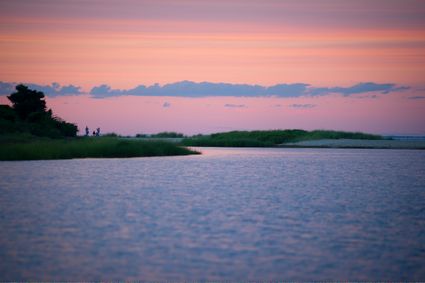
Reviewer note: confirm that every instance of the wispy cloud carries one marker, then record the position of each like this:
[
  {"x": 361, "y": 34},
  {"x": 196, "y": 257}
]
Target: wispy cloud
[
  {"x": 234, "y": 105},
  {"x": 302, "y": 105},
  {"x": 358, "y": 88},
  {"x": 209, "y": 89},
  {"x": 416, "y": 97},
  {"x": 166, "y": 105},
  {"x": 344, "y": 13}
]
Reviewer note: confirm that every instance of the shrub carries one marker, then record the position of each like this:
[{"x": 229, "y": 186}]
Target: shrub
[{"x": 167, "y": 135}]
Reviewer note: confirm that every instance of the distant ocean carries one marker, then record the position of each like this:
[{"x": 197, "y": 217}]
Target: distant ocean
[{"x": 407, "y": 138}]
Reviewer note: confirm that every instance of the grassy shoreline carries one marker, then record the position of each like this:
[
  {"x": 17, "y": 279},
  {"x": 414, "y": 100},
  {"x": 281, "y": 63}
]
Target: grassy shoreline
[
  {"x": 18, "y": 148},
  {"x": 271, "y": 138},
  {"x": 24, "y": 146}
]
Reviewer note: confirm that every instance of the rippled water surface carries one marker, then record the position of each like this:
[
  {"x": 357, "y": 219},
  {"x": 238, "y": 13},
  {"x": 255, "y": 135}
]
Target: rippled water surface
[{"x": 229, "y": 214}]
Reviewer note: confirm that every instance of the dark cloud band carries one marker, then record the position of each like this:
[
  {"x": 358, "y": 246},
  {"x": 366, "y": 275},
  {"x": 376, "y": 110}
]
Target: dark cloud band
[
  {"x": 52, "y": 90},
  {"x": 208, "y": 89},
  {"x": 205, "y": 89}
]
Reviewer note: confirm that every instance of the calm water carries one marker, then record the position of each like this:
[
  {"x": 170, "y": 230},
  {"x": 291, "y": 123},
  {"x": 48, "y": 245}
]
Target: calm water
[{"x": 229, "y": 214}]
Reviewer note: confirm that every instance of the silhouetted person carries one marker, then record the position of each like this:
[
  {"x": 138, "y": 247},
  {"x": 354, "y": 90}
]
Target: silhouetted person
[
  {"x": 98, "y": 132},
  {"x": 94, "y": 133},
  {"x": 87, "y": 131}
]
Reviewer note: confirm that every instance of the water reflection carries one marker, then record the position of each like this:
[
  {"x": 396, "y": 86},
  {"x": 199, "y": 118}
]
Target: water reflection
[{"x": 229, "y": 214}]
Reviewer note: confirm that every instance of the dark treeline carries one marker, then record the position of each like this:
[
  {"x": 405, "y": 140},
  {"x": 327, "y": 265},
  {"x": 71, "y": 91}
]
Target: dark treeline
[
  {"x": 167, "y": 135},
  {"x": 29, "y": 114}
]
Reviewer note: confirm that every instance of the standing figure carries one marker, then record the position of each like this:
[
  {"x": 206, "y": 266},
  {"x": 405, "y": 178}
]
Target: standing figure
[
  {"x": 98, "y": 132},
  {"x": 87, "y": 131}
]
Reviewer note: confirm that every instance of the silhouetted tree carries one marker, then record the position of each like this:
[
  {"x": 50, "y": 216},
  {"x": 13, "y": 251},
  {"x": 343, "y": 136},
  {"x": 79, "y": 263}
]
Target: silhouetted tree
[
  {"x": 7, "y": 119},
  {"x": 27, "y": 101},
  {"x": 66, "y": 129},
  {"x": 29, "y": 114},
  {"x": 7, "y": 113}
]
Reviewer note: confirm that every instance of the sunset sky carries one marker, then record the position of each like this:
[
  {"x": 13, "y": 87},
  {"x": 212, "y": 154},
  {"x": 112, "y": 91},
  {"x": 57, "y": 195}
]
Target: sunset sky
[{"x": 310, "y": 64}]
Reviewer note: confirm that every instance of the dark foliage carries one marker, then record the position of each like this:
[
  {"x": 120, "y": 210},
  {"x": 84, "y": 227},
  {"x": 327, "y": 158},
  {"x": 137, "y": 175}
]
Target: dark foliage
[
  {"x": 167, "y": 135},
  {"x": 28, "y": 114},
  {"x": 65, "y": 129},
  {"x": 113, "y": 135},
  {"x": 7, "y": 113},
  {"x": 26, "y": 101}
]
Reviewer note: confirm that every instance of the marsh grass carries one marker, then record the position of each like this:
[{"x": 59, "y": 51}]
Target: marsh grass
[
  {"x": 270, "y": 138},
  {"x": 90, "y": 147}
]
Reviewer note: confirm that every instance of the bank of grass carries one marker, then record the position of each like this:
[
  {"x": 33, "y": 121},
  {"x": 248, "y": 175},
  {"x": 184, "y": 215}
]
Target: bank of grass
[
  {"x": 271, "y": 138},
  {"x": 19, "y": 148}
]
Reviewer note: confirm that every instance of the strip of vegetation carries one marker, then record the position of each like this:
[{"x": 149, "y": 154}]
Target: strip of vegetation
[
  {"x": 270, "y": 138},
  {"x": 88, "y": 147},
  {"x": 167, "y": 135}
]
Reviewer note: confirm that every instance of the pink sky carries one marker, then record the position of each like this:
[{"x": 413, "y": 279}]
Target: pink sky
[
  {"x": 385, "y": 115},
  {"x": 126, "y": 43}
]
